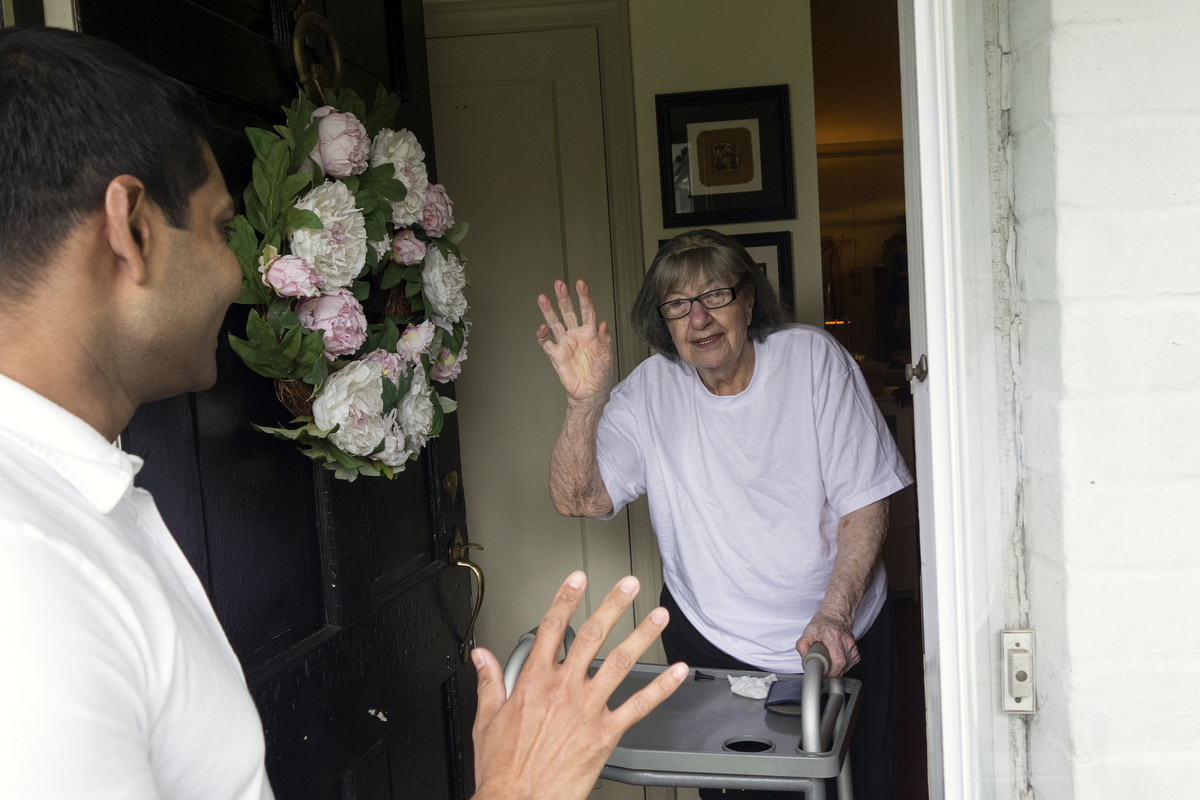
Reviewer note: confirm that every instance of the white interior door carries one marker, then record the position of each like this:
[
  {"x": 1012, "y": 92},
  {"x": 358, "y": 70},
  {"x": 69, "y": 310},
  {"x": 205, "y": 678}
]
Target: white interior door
[{"x": 520, "y": 147}]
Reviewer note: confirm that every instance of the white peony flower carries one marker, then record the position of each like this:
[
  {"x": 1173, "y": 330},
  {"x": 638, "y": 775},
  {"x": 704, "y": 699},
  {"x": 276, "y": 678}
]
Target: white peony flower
[
  {"x": 382, "y": 247},
  {"x": 353, "y": 398},
  {"x": 338, "y": 252},
  {"x": 394, "y": 453},
  {"x": 404, "y": 152},
  {"x": 444, "y": 280},
  {"x": 416, "y": 412}
]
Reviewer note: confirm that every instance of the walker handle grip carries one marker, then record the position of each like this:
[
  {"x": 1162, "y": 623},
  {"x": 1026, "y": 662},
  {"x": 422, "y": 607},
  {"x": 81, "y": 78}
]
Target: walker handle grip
[{"x": 820, "y": 654}]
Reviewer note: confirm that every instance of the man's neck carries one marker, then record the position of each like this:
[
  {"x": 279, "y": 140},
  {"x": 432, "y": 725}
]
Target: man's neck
[{"x": 57, "y": 359}]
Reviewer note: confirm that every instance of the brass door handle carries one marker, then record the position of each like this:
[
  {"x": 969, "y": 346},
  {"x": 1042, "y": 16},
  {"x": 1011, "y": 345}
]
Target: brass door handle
[
  {"x": 315, "y": 78},
  {"x": 459, "y": 553}
]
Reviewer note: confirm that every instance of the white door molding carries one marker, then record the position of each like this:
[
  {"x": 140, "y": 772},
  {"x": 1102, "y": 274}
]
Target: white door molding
[{"x": 946, "y": 183}]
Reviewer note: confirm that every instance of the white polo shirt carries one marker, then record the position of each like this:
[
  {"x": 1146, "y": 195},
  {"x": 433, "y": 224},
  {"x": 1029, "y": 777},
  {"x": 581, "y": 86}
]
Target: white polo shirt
[
  {"x": 116, "y": 679},
  {"x": 746, "y": 490}
]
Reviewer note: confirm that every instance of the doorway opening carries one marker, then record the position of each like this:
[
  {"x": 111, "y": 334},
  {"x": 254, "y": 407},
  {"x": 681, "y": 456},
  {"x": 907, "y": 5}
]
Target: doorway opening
[{"x": 864, "y": 260}]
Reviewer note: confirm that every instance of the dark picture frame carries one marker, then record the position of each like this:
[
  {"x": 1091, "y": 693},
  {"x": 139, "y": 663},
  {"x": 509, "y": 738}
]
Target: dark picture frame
[
  {"x": 772, "y": 251},
  {"x": 714, "y": 174}
]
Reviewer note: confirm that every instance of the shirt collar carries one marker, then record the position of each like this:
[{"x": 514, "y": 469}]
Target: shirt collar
[{"x": 98, "y": 469}]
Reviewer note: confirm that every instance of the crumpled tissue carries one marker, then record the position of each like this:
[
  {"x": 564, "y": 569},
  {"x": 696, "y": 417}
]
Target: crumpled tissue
[{"x": 749, "y": 686}]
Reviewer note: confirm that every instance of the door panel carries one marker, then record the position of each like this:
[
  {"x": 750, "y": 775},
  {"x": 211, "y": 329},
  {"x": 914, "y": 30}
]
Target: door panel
[
  {"x": 520, "y": 130},
  {"x": 338, "y": 598}
]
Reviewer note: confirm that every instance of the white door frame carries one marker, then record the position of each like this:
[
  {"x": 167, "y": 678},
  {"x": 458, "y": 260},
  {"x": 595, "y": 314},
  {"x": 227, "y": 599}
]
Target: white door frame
[
  {"x": 946, "y": 183},
  {"x": 947, "y": 189}
]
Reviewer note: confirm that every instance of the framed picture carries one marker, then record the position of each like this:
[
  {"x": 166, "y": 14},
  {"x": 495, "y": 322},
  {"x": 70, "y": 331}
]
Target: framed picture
[
  {"x": 772, "y": 252},
  {"x": 725, "y": 156}
]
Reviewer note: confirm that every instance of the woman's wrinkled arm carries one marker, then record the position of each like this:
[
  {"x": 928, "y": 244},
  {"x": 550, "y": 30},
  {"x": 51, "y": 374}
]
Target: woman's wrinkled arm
[
  {"x": 581, "y": 353},
  {"x": 860, "y": 540}
]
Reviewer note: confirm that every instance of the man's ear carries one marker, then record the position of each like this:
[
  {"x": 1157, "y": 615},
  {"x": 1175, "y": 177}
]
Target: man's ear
[{"x": 130, "y": 224}]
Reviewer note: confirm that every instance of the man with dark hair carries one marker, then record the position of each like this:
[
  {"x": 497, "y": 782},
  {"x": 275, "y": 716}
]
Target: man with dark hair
[{"x": 116, "y": 678}]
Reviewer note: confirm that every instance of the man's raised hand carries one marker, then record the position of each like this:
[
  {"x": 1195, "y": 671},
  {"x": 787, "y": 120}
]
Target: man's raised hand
[
  {"x": 580, "y": 351},
  {"x": 550, "y": 740}
]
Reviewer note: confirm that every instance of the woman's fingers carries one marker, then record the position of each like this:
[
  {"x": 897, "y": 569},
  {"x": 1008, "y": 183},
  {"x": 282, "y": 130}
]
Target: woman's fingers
[
  {"x": 587, "y": 311},
  {"x": 591, "y": 635},
  {"x": 552, "y": 322},
  {"x": 565, "y": 307},
  {"x": 621, "y": 660},
  {"x": 649, "y": 698},
  {"x": 554, "y": 623}
]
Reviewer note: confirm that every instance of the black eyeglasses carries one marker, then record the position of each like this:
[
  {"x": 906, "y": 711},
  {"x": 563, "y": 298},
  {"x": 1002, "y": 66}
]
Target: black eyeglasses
[{"x": 717, "y": 298}]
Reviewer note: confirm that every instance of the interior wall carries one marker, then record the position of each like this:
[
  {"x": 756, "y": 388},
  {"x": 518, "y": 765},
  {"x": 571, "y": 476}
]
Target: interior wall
[{"x": 696, "y": 45}]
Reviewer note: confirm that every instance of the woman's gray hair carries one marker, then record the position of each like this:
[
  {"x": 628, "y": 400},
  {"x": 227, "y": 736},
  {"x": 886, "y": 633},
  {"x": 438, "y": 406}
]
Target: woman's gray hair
[{"x": 703, "y": 255}]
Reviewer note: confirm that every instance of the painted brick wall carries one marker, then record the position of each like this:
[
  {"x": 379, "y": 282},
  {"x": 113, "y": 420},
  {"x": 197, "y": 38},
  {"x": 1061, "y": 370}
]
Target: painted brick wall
[{"x": 1106, "y": 126}]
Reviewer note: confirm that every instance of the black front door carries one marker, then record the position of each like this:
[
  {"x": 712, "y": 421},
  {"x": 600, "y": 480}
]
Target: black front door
[{"x": 339, "y": 598}]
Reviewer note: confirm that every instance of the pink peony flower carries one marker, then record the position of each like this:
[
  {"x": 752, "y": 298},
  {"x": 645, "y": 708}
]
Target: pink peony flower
[
  {"x": 289, "y": 276},
  {"x": 437, "y": 216},
  {"x": 393, "y": 365},
  {"x": 341, "y": 318},
  {"x": 343, "y": 146},
  {"x": 447, "y": 365},
  {"x": 414, "y": 341},
  {"x": 408, "y": 249}
]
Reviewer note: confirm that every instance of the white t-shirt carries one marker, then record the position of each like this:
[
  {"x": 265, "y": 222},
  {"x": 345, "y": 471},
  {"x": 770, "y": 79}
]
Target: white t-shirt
[
  {"x": 116, "y": 680},
  {"x": 746, "y": 490}
]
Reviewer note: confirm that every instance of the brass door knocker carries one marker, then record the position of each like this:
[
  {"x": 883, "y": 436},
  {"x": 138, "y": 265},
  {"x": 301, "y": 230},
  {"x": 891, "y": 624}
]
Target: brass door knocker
[{"x": 315, "y": 78}]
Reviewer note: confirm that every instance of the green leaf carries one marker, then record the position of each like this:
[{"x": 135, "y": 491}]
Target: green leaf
[
  {"x": 412, "y": 289},
  {"x": 405, "y": 379},
  {"x": 375, "y": 224},
  {"x": 285, "y": 133},
  {"x": 391, "y": 336},
  {"x": 250, "y": 294},
  {"x": 382, "y": 181},
  {"x": 292, "y": 185},
  {"x": 371, "y": 261},
  {"x": 290, "y": 358},
  {"x": 391, "y": 276},
  {"x": 305, "y": 140},
  {"x": 391, "y": 394},
  {"x": 439, "y": 418},
  {"x": 448, "y": 404},
  {"x": 347, "y": 101},
  {"x": 454, "y": 341},
  {"x": 255, "y": 359},
  {"x": 278, "y": 308},
  {"x": 262, "y": 141},
  {"x": 456, "y": 233},
  {"x": 296, "y": 218},
  {"x": 411, "y": 273},
  {"x": 351, "y": 184},
  {"x": 245, "y": 246},
  {"x": 256, "y": 213},
  {"x": 383, "y": 111},
  {"x": 361, "y": 290},
  {"x": 417, "y": 305},
  {"x": 319, "y": 373}
]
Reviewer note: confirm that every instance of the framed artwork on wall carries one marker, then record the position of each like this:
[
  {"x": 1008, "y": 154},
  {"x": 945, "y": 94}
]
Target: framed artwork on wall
[
  {"x": 772, "y": 252},
  {"x": 725, "y": 156}
]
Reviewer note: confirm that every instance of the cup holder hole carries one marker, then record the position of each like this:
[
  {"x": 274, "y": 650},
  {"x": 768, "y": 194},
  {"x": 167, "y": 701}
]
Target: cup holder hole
[{"x": 749, "y": 744}]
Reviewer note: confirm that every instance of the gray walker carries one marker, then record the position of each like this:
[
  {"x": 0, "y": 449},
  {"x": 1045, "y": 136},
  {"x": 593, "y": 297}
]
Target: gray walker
[{"x": 704, "y": 736}]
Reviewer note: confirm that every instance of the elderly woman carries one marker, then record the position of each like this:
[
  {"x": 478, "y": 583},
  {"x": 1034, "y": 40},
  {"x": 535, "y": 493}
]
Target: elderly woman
[{"x": 766, "y": 464}]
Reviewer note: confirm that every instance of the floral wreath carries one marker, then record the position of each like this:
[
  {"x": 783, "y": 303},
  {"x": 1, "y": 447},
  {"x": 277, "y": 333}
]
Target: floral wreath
[{"x": 341, "y": 227}]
